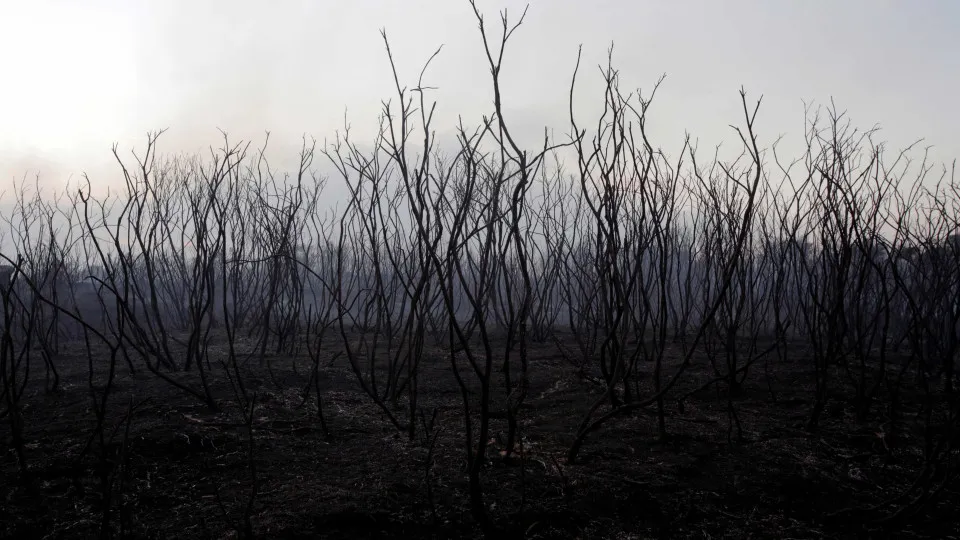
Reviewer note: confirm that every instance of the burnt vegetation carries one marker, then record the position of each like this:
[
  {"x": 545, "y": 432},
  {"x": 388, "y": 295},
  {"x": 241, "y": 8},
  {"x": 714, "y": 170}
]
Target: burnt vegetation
[{"x": 587, "y": 338}]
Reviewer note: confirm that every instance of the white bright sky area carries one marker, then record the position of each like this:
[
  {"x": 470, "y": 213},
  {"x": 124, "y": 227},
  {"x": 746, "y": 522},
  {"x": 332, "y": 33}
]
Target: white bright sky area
[{"x": 80, "y": 75}]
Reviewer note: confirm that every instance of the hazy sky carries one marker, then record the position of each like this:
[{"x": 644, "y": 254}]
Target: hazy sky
[{"x": 79, "y": 75}]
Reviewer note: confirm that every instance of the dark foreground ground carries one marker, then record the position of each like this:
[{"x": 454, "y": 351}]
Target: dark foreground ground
[{"x": 188, "y": 466}]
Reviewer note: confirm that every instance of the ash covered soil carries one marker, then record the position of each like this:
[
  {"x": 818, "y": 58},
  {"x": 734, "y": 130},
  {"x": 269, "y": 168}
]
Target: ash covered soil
[{"x": 187, "y": 467}]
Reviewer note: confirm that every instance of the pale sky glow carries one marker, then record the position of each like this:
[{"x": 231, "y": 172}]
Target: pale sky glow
[{"x": 81, "y": 75}]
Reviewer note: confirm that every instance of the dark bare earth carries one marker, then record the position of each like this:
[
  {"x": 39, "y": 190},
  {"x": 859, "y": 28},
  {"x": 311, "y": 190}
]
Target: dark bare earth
[{"x": 188, "y": 466}]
